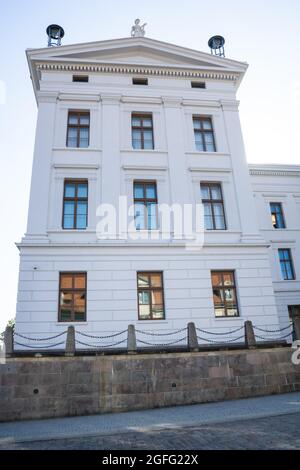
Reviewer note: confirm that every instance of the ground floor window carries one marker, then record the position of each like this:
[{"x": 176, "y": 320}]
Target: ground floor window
[
  {"x": 150, "y": 296},
  {"x": 224, "y": 293},
  {"x": 72, "y": 297}
]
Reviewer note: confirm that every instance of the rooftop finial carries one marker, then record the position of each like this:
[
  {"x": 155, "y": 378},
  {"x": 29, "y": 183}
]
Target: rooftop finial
[{"x": 137, "y": 30}]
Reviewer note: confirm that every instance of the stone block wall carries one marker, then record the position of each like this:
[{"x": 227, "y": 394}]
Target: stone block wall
[{"x": 32, "y": 388}]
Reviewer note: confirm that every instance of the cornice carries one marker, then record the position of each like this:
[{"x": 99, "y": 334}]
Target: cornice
[
  {"x": 137, "y": 69},
  {"x": 273, "y": 172},
  {"x": 77, "y": 97}
]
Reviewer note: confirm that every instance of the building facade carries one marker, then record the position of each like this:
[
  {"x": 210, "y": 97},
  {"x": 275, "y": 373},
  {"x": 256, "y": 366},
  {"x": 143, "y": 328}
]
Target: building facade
[{"x": 158, "y": 124}]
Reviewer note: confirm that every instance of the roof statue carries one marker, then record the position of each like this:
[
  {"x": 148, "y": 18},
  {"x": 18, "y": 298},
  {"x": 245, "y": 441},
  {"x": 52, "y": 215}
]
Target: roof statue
[{"x": 137, "y": 30}]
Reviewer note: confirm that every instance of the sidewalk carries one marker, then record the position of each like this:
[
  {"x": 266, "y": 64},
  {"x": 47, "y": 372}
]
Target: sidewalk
[{"x": 164, "y": 418}]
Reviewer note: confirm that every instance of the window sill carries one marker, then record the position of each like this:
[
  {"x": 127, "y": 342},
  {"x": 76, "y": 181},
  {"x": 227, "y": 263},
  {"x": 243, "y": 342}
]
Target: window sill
[
  {"x": 219, "y": 154},
  {"x": 157, "y": 151},
  {"x": 72, "y": 323}
]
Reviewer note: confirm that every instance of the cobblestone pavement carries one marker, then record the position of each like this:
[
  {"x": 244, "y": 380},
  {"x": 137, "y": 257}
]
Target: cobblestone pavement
[{"x": 276, "y": 432}]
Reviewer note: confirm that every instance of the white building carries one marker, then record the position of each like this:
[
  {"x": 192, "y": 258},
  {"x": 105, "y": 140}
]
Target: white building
[{"x": 157, "y": 123}]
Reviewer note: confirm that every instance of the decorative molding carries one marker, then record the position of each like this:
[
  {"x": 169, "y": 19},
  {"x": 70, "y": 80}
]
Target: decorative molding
[
  {"x": 77, "y": 166},
  {"x": 137, "y": 70},
  {"x": 202, "y": 103},
  {"x": 47, "y": 96},
  {"x": 141, "y": 99},
  {"x": 211, "y": 170},
  {"x": 273, "y": 172},
  {"x": 144, "y": 168},
  {"x": 78, "y": 97}
]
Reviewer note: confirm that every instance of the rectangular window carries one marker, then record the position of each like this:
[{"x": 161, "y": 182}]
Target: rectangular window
[
  {"x": 72, "y": 297},
  {"x": 224, "y": 294},
  {"x": 150, "y": 296},
  {"x": 212, "y": 199},
  {"x": 140, "y": 81},
  {"x": 286, "y": 264},
  {"x": 198, "y": 85},
  {"x": 78, "y": 134},
  {"x": 145, "y": 205},
  {"x": 277, "y": 215},
  {"x": 204, "y": 134},
  {"x": 142, "y": 131},
  {"x": 80, "y": 78},
  {"x": 75, "y": 205}
]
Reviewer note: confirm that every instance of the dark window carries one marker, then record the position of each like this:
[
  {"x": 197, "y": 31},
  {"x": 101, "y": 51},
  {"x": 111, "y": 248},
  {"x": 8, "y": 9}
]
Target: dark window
[
  {"x": 224, "y": 293},
  {"x": 277, "y": 215},
  {"x": 78, "y": 134},
  {"x": 81, "y": 78},
  {"x": 72, "y": 297},
  {"x": 145, "y": 205},
  {"x": 204, "y": 134},
  {"x": 212, "y": 199},
  {"x": 286, "y": 264},
  {"x": 75, "y": 207},
  {"x": 140, "y": 81},
  {"x": 150, "y": 296},
  {"x": 198, "y": 85},
  {"x": 142, "y": 131}
]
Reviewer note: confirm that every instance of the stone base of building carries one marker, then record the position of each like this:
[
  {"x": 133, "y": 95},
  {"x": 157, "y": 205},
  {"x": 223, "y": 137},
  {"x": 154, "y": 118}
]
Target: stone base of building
[{"x": 34, "y": 388}]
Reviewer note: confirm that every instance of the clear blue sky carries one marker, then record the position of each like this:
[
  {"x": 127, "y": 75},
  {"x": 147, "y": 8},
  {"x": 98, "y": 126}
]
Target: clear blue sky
[{"x": 263, "y": 33}]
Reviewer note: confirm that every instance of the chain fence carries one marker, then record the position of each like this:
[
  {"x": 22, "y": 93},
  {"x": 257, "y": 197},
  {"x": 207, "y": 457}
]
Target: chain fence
[
  {"x": 101, "y": 345},
  {"x": 177, "y": 341},
  {"x": 269, "y": 331}
]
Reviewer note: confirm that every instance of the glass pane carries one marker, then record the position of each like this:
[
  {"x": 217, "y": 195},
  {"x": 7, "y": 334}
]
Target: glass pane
[
  {"x": 72, "y": 142},
  {"x": 210, "y": 147},
  {"x": 73, "y": 119},
  {"x": 280, "y": 221},
  {"x": 148, "y": 135},
  {"x": 289, "y": 271},
  {"x": 208, "y": 138},
  {"x": 144, "y": 312},
  {"x": 84, "y": 138},
  {"x": 199, "y": 142},
  {"x": 157, "y": 311},
  {"x": 152, "y": 216},
  {"x": 197, "y": 124},
  {"x": 283, "y": 271},
  {"x": 219, "y": 312},
  {"x": 69, "y": 207},
  {"x": 232, "y": 312},
  {"x": 65, "y": 314},
  {"x": 79, "y": 316},
  {"x": 151, "y": 191},
  {"x": 156, "y": 280},
  {"x": 68, "y": 222},
  {"x": 69, "y": 190},
  {"x": 156, "y": 297},
  {"x": 148, "y": 145},
  {"x": 218, "y": 209},
  {"x": 228, "y": 279},
  {"x": 143, "y": 280},
  {"x": 215, "y": 192},
  {"x": 204, "y": 192},
  {"x": 220, "y": 223},
  {"x": 80, "y": 281},
  {"x": 81, "y": 222},
  {"x": 66, "y": 281},
  {"x": 147, "y": 122},
  {"x": 137, "y": 144},
  {"x": 229, "y": 295},
  {"x": 139, "y": 216},
  {"x": 66, "y": 299},
  {"x": 136, "y": 135},
  {"x": 79, "y": 301},
  {"x": 82, "y": 190},
  {"x": 144, "y": 298},
  {"x": 216, "y": 279},
  {"x": 218, "y": 296},
  {"x": 136, "y": 121},
  {"x": 208, "y": 222},
  {"x": 206, "y": 123},
  {"x": 81, "y": 208},
  {"x": 138, "y": 191},
  {"x": 85, "y": 120}
]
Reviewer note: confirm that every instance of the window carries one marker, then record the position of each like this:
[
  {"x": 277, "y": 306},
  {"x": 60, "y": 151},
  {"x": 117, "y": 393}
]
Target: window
[
  {"x": 212, "y": 199},
  {"x": 72, "y": 297},
  {"x": 224, "y": 294},
  {"x": 75, "y": 206},
  {"x": 150, "y": 296},
  {"x": 286, "y": 264},
  {"x": 277, "y": 215},
  {"x": 140, "y": 81},
  {"x": 81, "y": 78},
  {"x": 204, "y": 134},
  {"x": 78, "y": 134},
  {"x": 145, "y": 205},
  {"x": 142, "y": 131},
  {"x": 198, "y": 84}
]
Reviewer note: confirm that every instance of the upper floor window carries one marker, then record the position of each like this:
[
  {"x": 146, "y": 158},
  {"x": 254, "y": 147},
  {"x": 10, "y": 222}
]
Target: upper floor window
[
  {"x": 140, "y": 81},
  {"x": 212, "y": 199},
  {"x": 224, "y": 294},
  {"x": 145, "y": 205},
  {"x": 204, "y": 134},
  {"x": 150, "y": 296},
  {"x": 198, "y": 85},
  {"x": 277, "y": 215},
  {"x": 78, "y": 134},
  {"x": 80, "y": 78},
  {"x": 72, "y": 297},
  {"x": 142, "y": 131},
  {"x": 286, "y": 264},
  {"x": 75, "y": 210}
]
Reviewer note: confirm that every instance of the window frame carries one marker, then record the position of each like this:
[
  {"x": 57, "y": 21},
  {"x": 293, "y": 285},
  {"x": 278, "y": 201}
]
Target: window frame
[
  {"x": 285, "y": 261},
  {"x": 210, "y": 201},
  {"x": 144, "y": 201},
  {"x": 72, "y": 290},
  {"x": 141, "y": 128},
  {"x": 75, "y": 199},
  {"x": 223, "y": 287},
  {"x": 202, "y": 131},
  {"x": 150, "y": 289},
  {"x": 78, "y": 127},
  {"x": 275, "y": 213}
]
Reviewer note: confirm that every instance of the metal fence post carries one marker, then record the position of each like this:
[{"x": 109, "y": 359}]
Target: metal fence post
[
  {"x": 70, "y": 342},
  {"x": 250, "y": 340},
  {"x": 131, "y": 340},
  {"x": 192, "y": 337},
  {"x": 9, "y": 341}
]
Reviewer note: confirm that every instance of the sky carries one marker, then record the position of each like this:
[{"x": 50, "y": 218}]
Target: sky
[{"x": 263, "y": 33}]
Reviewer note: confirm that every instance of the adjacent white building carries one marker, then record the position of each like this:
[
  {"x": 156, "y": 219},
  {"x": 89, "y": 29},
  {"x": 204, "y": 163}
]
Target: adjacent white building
[{"x": 159, "y": 124}]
